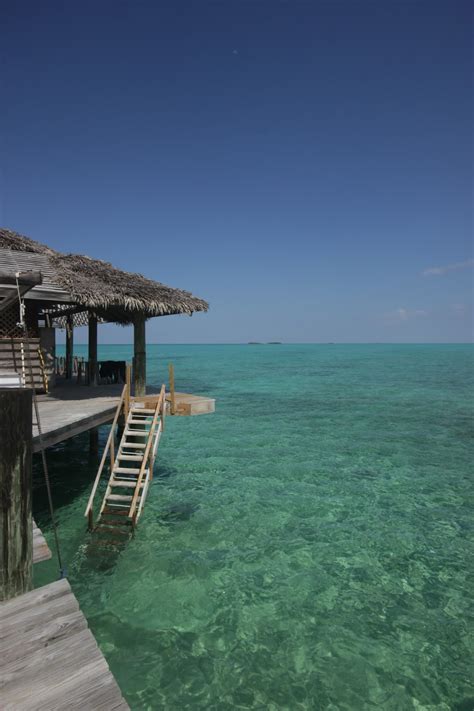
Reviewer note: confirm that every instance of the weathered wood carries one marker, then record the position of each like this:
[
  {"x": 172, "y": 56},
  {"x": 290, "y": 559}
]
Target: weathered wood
[
  {"x": 40, "y": 547},
  {"x": 172, "y": 397},
  {"x": 69, "y": 347},
  {"x": 70, "y": 410},
  {"x": 49, "y": 659},
  {"x": 92, "y": 347},
  {"x": 139, "y": 360},
  {"x": 30, "y": 279},
  {"x": 16, "y": 524}
]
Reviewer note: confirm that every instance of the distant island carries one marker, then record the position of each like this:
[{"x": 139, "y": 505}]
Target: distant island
[{"x": 268, "y": 343}]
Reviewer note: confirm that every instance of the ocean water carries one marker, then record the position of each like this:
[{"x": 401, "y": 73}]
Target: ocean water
[{"x": 308, "y": 546}]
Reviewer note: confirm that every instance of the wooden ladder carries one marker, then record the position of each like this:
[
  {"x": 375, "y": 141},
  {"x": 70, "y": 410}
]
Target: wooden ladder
[{"x": 131, "y": 470}]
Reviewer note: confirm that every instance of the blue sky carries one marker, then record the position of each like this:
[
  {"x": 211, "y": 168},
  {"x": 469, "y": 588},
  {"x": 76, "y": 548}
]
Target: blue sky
[{"x": 301, "y": 165}]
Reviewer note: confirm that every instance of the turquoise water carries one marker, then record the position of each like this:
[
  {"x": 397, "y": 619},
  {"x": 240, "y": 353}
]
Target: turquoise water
[{"x": 308, "y": 546}]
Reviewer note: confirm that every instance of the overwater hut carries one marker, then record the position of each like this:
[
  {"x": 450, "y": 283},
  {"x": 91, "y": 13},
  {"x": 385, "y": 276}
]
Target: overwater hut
[{"x": 68, "y": 290}]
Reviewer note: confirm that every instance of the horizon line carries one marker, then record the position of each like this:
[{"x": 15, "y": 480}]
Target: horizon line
[{"x": 290, "y": 343}]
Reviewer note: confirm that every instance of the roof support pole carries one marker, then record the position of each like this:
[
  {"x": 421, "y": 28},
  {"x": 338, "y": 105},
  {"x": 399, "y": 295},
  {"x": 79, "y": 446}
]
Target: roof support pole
[
  {"x": 69, "y": 346},
  {"x": 92, "y": 350},
  {"x": 139, "y": 359},
  {"x": 16, "y": 524}
]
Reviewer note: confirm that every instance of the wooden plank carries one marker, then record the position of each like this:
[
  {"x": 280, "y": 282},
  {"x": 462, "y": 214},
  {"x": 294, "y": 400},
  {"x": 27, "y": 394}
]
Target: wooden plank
[
  {"x": 41, "y": 550},
  {"x": 49, "y": 659},
  {"x": 30, "y": 619},
  {"x": 16, "y": 525},
  {"x": 35, "y": 598},
  {"x": 61, "y": 627}
]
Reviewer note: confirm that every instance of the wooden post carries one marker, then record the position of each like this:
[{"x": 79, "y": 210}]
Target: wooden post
[
  {"x": 128, "y": 383},
  {"x": 172, "y": 398},
  {"x": 126, "y": 403},
  {"x": 92, "y": 350},
  {"x": 69, "y": 346},
  {"x": 139, "y": 349},
  {"x": 16, "y": 524},
  {"x": 94, "y": 443}
]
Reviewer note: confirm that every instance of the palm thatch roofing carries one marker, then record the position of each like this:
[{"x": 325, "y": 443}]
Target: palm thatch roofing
[{"x": 100, "y": 288}]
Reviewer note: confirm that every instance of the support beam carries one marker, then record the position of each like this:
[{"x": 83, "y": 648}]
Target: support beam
[
  {"x": 94, "y": 444},
  {"x": 139, "y": 359},
  {"x": 16, "y": 524},
  {"x": 69, "y": 346},
  {"x": 92, "y": 350},
  {"x": 26, "y": 281}
]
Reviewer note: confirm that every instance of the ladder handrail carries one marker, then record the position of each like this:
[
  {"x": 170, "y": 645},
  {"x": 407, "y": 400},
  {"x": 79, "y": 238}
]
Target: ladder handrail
[
  {"x": 146, "y": 456},
  {"x": 104, "y": 455}
]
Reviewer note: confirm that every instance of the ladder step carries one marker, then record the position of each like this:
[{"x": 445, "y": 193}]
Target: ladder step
[
  {"x": 133, "y": 445},
  {"x": 108, "y": 511},
  {"x": 136, "y": 433},
  {"x": 138, "y": 422},
  {"x": 119, "y": 497},
  {"x": 128, "y": 484},
  {"x": 126, "y": 470},
  {"x": 130, "y": 457},
  {"x": 111, "y": 529},
  {"x": 142, "y": 411},
  {"x": 107, "y": 542}
]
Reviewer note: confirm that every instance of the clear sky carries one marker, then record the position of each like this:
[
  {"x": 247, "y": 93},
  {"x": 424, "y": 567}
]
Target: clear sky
[{"x": 304, "y": 166}]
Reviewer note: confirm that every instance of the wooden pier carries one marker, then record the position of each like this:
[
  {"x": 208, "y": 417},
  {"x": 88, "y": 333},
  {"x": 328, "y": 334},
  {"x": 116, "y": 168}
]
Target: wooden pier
[
  {"x": 49, "y": 659},
  {"x": 70, "y": 410}
]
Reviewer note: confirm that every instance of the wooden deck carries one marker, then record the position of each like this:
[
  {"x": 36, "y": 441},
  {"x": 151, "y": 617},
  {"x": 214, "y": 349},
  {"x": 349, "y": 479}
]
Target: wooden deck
[
  {"x": 187, "y": 404},
  {"x": 40, "y": 547},
  {"x": 49, "y": 659},
  {"x": 70, "y": 410}
]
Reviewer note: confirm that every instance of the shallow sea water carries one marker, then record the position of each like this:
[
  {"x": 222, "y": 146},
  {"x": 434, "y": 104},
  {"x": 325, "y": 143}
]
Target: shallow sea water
[{"x": 308, "y": 546}]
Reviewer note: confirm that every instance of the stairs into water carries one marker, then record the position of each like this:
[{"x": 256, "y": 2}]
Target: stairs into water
[{"x": 131, "y": 469}]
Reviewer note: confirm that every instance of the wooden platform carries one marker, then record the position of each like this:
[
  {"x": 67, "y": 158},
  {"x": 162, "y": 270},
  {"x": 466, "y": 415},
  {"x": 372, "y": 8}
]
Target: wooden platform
[
  {"x": 70, "y": 410},
  {"x": 187, "y": 404},
  {"x": 40, "y": 547},
  {"x": 49, "y": 659}
]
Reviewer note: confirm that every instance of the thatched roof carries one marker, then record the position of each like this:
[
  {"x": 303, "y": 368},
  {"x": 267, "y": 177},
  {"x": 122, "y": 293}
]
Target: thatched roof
[{"x": 110, "y": 293}]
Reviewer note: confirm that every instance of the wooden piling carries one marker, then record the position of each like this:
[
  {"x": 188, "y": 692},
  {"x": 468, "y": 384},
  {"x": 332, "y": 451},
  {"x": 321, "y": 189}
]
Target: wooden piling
[
  {"x": 139, "y": 362},
  {"x": 16, "y": 525},
  {"x": 172, "y": 395},
  {"x": 92, "y": 347},
  {"x": 69, "y": 347}
]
